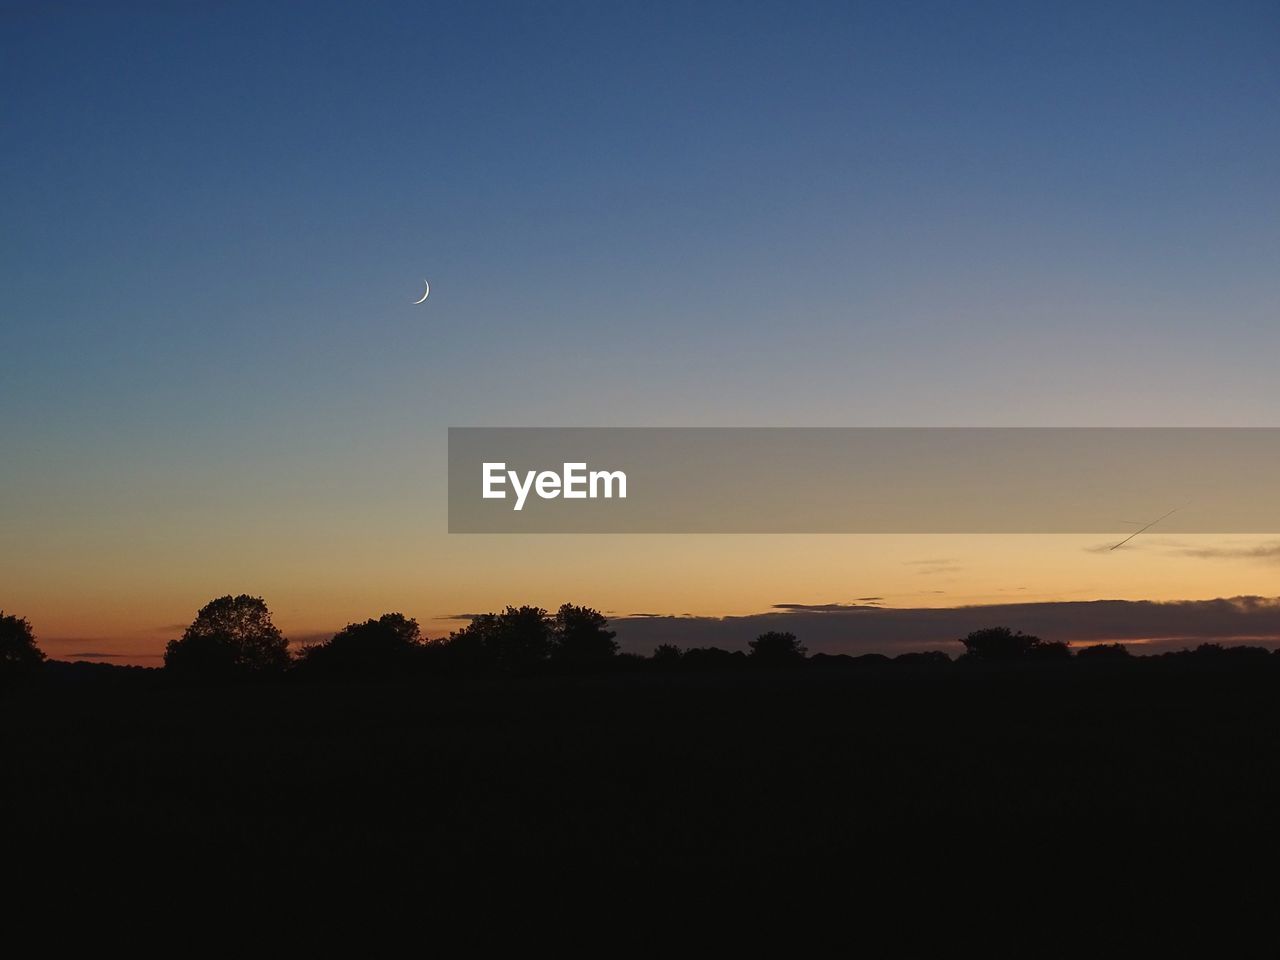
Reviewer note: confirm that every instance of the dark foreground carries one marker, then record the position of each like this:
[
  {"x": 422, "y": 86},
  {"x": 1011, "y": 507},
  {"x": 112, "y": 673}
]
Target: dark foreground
[{"x": 751, "y": 777}]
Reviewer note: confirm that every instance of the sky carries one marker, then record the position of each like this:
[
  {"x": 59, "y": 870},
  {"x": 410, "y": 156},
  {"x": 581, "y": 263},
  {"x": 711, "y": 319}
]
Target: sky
[{"x": 217, "y": 216}]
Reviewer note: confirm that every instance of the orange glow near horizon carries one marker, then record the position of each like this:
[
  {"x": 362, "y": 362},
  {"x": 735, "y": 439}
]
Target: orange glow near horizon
[{"x": 128, "y": 609}]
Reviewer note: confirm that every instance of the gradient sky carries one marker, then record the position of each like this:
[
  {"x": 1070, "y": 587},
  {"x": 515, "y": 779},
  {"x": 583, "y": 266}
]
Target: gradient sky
[{"x": 216, "y": 217}]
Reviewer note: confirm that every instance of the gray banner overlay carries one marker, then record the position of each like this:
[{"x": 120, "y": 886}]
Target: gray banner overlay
[{"x": 863, "y": 480}]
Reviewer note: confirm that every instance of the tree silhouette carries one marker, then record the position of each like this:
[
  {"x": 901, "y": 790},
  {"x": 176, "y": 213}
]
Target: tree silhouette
[
  {"x": 1050, "y": 650},
  {"x": 581, "y": 636},
  {"x": 514, "y": 641},
  {"x": 19, "y": 654},
  {"x": 1001, "y": 644},
  {"x": 776, "y": 647},
  {"x": 520, "y": 639},
  {"x": 667, "y": 655},
  {"x": 230, "y": 636},
  {"x": 386, "y": 645},
  {"x": 1216, "y": 652}
]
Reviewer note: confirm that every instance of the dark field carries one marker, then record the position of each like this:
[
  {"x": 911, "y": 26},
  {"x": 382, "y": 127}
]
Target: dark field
[{"x": 742, "y": 777}]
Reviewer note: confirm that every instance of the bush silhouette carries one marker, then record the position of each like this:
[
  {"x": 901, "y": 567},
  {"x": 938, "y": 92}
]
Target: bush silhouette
[
  {"x": 926, "y": 658},
  {"x": 711, "y": 658},
  {"x": 1002, "y": 644},
  {"x": 776, "y": 647},
  {"x": 390, "y": 644},
  {"x": 1050, "y": 650},
  {"x": 230, "y": 637},
  {"x": 667, "y": 655},
  {"x": 1217, "y": 653},
  {"x": 521, "y": 639},
  {"x": 581, "y": 636},
  {"x": 19, "y": 655},
  {"x": 1105, "y": 651},
  {"x": 513, "y": 641}
]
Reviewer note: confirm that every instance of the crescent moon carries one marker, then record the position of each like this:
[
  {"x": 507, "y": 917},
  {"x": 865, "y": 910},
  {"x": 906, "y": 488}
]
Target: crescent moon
[{"x": 425, "y": 295}]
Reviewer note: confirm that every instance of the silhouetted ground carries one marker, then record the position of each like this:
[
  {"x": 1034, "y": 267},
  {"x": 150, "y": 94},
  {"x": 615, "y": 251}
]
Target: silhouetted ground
[{"x": 747, "y": 776}]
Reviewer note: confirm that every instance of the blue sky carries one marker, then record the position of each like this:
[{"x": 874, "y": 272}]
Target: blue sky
[
  {"x": 217, "y": 216},
  {"x": 664, "y": 205}
]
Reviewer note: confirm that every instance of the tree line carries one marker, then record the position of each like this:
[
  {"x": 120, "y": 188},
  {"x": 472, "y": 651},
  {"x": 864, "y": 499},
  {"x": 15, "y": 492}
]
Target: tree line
[{"x": 234, "y": 637}]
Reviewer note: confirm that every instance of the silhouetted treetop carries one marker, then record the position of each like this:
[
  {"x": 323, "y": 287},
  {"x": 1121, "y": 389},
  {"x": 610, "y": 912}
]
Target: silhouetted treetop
[
  {"x": 1105, "y": 651},
  {"x": 1001, "y": 643},
  {"x": 667, "y": 655},
  {"x": 515, "y": 640},
  {"x": 391, "y": 642},
  {"x": 581, "y": 636},
  {"x": 391, "y": 631},
  {"x": 19, "y": 654},
  {"x": 1216, "y": 652},
  {"x": 230, "y": 636},
  {"x": 520, "y": 639},
  {"x": 777, "y": 647},
  {"x": 923, "y": 658}
]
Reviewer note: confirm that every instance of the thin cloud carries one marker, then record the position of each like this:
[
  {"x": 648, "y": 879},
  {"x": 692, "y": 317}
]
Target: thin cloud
[
  {"x": 1266, "y": 552},
  {"x": 827, "y": 607},
  {"x": 935, "y": 565}
]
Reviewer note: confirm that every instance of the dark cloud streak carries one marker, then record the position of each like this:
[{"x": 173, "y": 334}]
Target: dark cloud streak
[
  {"x": 855, "y": 629},
  {"x": 1269, "y": 552},
  {"x": 868, "y": 603}
]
